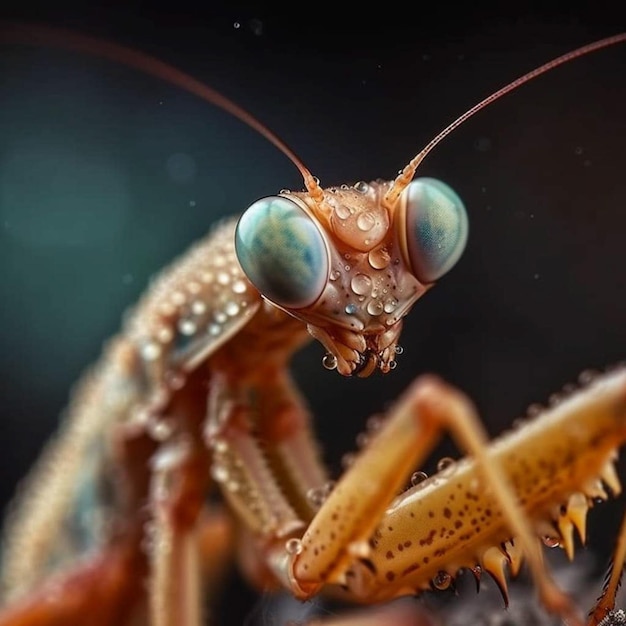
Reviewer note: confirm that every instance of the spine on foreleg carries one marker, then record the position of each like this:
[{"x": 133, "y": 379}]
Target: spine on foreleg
[{"x": 557, "y": 463}]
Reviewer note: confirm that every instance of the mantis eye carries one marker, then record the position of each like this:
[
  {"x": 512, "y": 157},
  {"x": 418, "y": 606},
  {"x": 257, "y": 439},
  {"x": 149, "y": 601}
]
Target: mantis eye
[
  {"x": 436, "y": 228},
  {"x": 282, "y": 252}
]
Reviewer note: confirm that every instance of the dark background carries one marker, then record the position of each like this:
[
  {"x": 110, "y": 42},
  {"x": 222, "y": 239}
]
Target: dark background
[{"x": 106, "y": 175}]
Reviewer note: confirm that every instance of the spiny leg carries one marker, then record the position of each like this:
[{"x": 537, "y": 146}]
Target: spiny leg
[
  {"x": 175, "y": 584},
  {"x": 606, "y": 602},
  {"x": 343, "y": 527},
  {"x": 284, "y": 428},
  {"x": 266, "y": 461},
  {"x": 189, "y": 559},
  {"x": 454, "y": 411},
  {"x": 178, "y": 485},
  {"x": 246, "y": 470},
  {"x": 265, "y": 410}
]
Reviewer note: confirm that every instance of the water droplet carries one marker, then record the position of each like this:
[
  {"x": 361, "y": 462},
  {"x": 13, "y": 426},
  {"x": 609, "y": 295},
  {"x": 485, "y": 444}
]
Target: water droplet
[
  {"x": 165, "y": 334},
  {"x": 150, "y": 532},
  {"x": 187, "y": 327},
  {"x": 220, "y": 317},
  {"x": 346, "y": 267},
  {"x": 587, "y": 377},
  {"x": 334, "y": 274},
  {"x": 175, "y": 380},
  {"x": 379, "y": 258},
  {"x": 236, "y": 25},
  {"x": 219, "y": 473},
  {"x": 551, "y": 542},
  {"x": 444, "y": 463},
  {"x": 365, "y": 221},
  {"x": 329, "y": 361},
  {"x": 239, "y": 286},
  {"x": 219, "y": 445},
  {"x": 151, "y": 351},
  {"x": 362, "y": 440},
  {"x": 316, "y": 496},
  {"x": 231, "y": 309},
  {"x": 362, "y": 186},
  {"x": 351, "y": 309},
  {"x": 293, "y": 546},
  {"x": 518, "y": 423},
  {"x": 534, "y": 410},
  {"x": 418, "y": 477},
  {"x": 160, "y": 429},
  {"x": 374, "y": 307},
  {"x": 284, "y": 191},
  {"x": 390, "y": 305},
  {"x": 223, "y": 278},
  {"x": 578, "y": 150},
  {"x": 393, "y": 364},
  {"x": 329, "y": 485},
  {"x": 555, "y": 399},
  {"x": 442, "y": 580},
  {"x": 347, "y": 460},
  {"x": 198, "y": 307},
  {"x": 374, "y": 424},
  {"x": 178, "y": 298},
  {"x": 214, "y": 330},
  {"x": 342, "y": 211},
  {"x": 361, "y": 284},
  {"x": 399, "y": 350}
]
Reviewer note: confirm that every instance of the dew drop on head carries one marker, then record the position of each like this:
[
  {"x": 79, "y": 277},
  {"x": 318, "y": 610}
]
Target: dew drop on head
[{"x": 329, "y": 361}]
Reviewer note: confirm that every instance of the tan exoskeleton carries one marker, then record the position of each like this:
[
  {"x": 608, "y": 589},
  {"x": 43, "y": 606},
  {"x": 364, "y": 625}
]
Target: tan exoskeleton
[{"x": 196, "y": 390}]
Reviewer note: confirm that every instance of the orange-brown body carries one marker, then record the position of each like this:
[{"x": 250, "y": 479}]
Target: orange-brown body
[{"x": 196, "y": 392}]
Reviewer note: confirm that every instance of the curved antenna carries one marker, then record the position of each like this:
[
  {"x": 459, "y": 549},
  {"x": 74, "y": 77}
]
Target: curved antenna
[
  {"x": 406, "y": 175},
  {"x": 36, "y": 34}
]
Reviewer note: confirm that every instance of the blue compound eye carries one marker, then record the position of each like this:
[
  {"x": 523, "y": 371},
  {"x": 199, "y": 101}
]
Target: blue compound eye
[
  {"x": 436, "y": 227},
  {"x": 282, "y": 252}
]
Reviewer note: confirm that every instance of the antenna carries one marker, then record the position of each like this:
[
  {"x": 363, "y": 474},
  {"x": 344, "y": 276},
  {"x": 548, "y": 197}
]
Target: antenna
[
  {"x": 406, "y": 175},
  {"x": 36, "y": 34}
]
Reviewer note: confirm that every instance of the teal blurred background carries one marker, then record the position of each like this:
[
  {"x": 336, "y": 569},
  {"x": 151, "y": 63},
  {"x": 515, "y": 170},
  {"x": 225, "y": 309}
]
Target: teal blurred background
[{"x": 106, "y": 175}]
